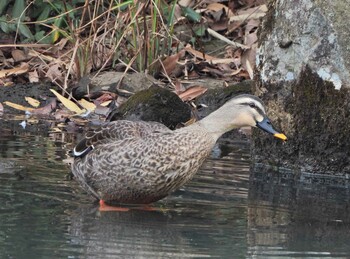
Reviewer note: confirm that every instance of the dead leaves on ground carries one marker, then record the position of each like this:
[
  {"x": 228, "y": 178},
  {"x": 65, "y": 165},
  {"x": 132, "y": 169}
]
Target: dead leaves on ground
[
  {"x": 235, "y": 28},
  {"x": 232, "y": 26}
]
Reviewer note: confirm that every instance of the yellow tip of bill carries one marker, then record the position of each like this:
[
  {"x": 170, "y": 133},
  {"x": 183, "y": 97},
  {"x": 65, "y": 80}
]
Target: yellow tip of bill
[{"x": 280, "y": 136}]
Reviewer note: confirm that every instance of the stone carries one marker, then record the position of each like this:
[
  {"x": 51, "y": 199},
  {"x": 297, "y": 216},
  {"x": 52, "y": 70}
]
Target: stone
[
  {"x": 110, "y": 81},
  {"x": 303, "y": 77},
  {"x": 154, "y": 104}
]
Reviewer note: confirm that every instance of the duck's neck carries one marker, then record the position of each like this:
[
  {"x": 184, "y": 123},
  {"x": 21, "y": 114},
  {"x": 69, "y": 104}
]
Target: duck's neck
[{"x": 217, "y": 123}]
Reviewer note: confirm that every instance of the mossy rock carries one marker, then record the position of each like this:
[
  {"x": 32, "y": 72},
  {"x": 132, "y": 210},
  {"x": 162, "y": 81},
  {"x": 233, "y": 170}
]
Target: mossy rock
[{"x": 154, "y": 104}]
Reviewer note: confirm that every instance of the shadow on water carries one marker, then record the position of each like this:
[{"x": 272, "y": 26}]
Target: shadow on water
[{"x": 225, "y": 212}]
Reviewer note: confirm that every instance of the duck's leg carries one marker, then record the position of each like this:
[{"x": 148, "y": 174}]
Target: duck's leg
[{"x": 105, "y": 207}]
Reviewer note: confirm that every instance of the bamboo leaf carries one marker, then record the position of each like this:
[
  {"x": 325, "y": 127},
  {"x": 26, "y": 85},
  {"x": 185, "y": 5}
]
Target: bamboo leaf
[
  {"x": 87, "y": 105},
  {"x": 18, "y": 106},
  {"x": 33, "y": 102},
  {"x": 67, "y": 103}
]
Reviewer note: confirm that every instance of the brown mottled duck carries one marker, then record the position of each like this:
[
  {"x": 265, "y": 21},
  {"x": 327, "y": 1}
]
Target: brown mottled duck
[{"x": 137, "y": 162}]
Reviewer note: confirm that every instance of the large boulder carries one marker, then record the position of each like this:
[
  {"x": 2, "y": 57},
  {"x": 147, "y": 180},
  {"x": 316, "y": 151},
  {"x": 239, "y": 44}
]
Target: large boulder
[{"x": 303, "y": 77}]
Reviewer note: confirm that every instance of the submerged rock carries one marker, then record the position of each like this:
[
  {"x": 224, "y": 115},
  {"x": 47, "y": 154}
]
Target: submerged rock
[{"x": 304, "y": 65}]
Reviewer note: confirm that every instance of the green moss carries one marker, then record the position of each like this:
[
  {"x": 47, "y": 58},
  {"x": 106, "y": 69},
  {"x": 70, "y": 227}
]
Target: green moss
[
  {"x": 154, "y": 104},
  {"x": 318, "y": 130},
  {"x": 268, "y": 22}
]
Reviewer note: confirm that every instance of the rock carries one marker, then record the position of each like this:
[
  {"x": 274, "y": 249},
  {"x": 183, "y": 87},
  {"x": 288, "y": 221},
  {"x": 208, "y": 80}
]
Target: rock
[
  {"x": 109, "y": 81},
  {"x": 303, "y": 78},
  {"x": 305, "y": 32},
  {"x": 154, "y": 104}
]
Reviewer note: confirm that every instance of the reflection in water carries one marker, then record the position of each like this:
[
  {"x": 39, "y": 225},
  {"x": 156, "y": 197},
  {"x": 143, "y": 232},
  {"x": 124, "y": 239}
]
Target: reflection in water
[
  {"x": 43, "y": 214},
  {"x": 289, "y": 216}
]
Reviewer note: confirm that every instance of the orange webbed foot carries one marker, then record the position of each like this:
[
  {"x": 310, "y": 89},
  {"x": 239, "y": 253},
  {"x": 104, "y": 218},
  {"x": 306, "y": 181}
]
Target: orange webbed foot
[{"x": 105, "y": 207}]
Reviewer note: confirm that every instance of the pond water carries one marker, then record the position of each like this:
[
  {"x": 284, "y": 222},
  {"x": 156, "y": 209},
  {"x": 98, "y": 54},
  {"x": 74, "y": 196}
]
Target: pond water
[{"x": 225, "y": 212}]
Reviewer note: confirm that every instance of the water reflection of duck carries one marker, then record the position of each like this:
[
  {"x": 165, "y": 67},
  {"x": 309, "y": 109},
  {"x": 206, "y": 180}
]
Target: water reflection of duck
[{"x": 142, "y": 162}]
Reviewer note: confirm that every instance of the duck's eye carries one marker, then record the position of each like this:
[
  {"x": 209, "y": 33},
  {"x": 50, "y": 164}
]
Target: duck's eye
[{"x": 252, "y": 105}]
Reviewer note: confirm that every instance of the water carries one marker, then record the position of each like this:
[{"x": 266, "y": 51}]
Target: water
[{"x": 225, "y": 212}]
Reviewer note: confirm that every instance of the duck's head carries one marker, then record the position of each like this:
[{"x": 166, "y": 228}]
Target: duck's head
[{"x": 250, "y": 111}]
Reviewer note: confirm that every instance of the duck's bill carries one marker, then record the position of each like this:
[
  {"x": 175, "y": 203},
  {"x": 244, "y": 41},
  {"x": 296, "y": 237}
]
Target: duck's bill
[{"x": 266, "y": 125}]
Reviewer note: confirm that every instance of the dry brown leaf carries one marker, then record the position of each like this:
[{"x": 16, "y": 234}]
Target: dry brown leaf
[
  {"x": 251, "y": 13},
  {"x": 1, "y": 108},
  {"x": 18, "y": 55},
  {"x": 67, "y": 103},
  {"x": 104, "y": 97},
  {"x": 33, "y": 76},
  {"x": 23, "y": 68},
  {"x": 33, "y": 102},
  {"x": 192, "y": 93},
  {"x": 47, "y": 109},
  {"x": 170, "y": 62},
  {"x": 179, "y": 88},
  {"x": 198, "y": 54},
  {"x": 54, "y": 73},
  {"x": 250, "y": 39},
  {"x": 218, "y": 7},
  {"x": 18, "y": 106}
]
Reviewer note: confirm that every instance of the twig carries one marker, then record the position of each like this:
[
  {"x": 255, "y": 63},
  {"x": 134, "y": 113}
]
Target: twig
[{"x": 224, "y": 39}]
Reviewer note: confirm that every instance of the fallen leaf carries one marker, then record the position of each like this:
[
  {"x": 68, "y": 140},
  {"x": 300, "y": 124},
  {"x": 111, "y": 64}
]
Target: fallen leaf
[
  {"x": 1, "y": 108},
  {"x": 179, "y": 88},
  {"x": 18, "y": 55},
  {"x": 33, "y": 76},
  {"x": 106, "y": 103},
  {"x": 87, "y": 105},
  {"x": 170, "y": 62},
  {"x": 18, "y": 106},
  {"x": 198, "y": 54},
  {"x": 192, "y": 93},
  {"x": 104, "y": 97},
  {"x": 54, "y": 73},
  {"x": 217, "y": 7},
  {"x": 23, "y": 68},
  {"x": 67, "y": 103},
  {"x": 251, "y": 13},
  {"x": 47, "y": 109},
  {"x": 33, "y": 102}
]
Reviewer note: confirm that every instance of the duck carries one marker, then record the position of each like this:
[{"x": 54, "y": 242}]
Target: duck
[{"x": 138, "y": 162}]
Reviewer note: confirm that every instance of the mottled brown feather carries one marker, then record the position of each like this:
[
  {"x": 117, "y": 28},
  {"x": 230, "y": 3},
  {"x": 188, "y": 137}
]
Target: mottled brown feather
[{"x": 142, "y": 162}]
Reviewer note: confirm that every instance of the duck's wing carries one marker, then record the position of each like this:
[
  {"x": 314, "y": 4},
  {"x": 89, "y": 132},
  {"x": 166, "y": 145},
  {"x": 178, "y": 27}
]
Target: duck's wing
[{"x": 114, "y": 131}]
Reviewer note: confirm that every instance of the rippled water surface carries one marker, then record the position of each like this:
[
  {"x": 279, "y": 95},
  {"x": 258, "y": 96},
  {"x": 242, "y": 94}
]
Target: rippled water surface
[{"x": 225, "y": 212}]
